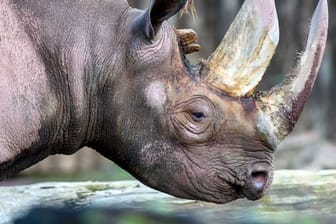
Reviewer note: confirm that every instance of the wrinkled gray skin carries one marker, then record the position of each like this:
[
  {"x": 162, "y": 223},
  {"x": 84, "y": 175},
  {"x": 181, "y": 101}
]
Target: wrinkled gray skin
[{"x": 98, "y": 73}]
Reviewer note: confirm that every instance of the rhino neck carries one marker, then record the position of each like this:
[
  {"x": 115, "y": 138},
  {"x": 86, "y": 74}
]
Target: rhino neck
[{"x": 79, "y": 49}]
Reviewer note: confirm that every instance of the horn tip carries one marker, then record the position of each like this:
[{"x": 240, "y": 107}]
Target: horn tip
[
  {"x": 269, "y": 17},
  {"x": 321, "y": 14},
  {"x": 319, "y": 24}
]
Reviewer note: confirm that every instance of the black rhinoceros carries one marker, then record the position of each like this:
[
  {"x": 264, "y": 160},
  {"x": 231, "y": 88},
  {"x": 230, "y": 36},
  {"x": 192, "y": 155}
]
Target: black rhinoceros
[{"x": 99, "y": 73}]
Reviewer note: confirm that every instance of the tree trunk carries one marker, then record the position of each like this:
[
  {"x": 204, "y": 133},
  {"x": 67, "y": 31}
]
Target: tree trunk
[{"x": 294, "y": 196}]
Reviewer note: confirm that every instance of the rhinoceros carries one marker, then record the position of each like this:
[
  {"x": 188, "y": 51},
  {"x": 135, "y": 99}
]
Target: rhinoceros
[{"x": 99, "y": 73}]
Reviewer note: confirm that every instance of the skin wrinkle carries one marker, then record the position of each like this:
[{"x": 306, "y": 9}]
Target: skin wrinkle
[
  {"x": 247, "y": 157},
  {"x": 248, "y": 143},
  {"x": 197, "y": 186},
  {"x": 190, "y": 159},
  {"x": 90, "y": 78},
  {"x": 150, "y": 53},
  {"x": 56, "y": 60},
  {"x": 73, "y": 91},
  {"x": 232, "y": 178},
  {"x": 107, "y": 81},
  {"x": 230, "y": 189},
  {"x": 177, "y": 124},
  {"x": 192, "y": 127},
  {"x": 227, "y": 190}
]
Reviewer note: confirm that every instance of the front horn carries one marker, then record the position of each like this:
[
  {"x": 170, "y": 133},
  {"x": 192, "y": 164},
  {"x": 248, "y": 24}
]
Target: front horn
[
  {"x": 281, "y": 107},
  {"x": 239, "y": 63}
]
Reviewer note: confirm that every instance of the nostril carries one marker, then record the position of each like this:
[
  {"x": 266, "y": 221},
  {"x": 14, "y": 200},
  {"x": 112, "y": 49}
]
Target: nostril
[{"x": 259, "y": 179}]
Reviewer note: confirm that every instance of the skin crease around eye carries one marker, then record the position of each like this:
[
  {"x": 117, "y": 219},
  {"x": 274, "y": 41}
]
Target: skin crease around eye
[{"x": 192, "y": 121}]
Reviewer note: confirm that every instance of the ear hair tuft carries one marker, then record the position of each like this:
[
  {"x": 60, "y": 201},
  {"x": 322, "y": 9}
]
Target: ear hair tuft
[{"x": 189, "y": 8}]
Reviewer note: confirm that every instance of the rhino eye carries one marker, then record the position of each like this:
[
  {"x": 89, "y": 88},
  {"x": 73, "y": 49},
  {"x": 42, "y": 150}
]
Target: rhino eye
[
  {"x": 193, "y": 121},
  {"x": 198, "y": 116}
]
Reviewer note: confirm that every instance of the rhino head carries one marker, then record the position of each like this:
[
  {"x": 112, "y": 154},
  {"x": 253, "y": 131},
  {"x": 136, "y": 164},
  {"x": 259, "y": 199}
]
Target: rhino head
[{"x": 201, "y": 131}]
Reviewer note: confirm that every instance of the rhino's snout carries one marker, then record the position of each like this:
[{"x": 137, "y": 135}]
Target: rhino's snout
[{"x": 258, "y": 179}]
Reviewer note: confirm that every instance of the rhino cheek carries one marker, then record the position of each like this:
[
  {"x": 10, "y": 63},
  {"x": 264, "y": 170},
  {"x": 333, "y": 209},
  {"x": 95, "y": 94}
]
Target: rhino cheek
[{"x": 156, "y": 95}]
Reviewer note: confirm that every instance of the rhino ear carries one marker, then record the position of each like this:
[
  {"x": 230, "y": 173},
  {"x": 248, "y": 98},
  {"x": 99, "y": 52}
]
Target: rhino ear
[{"x": 158, "y": 12}]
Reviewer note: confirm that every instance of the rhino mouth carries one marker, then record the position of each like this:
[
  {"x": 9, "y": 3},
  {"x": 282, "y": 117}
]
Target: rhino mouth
[
  {"x": 258, "y": 183},
  {"x": 246, "y": 192},
  {"x": 252, "y": 195},
  {"x": 254, "y": 187}
]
